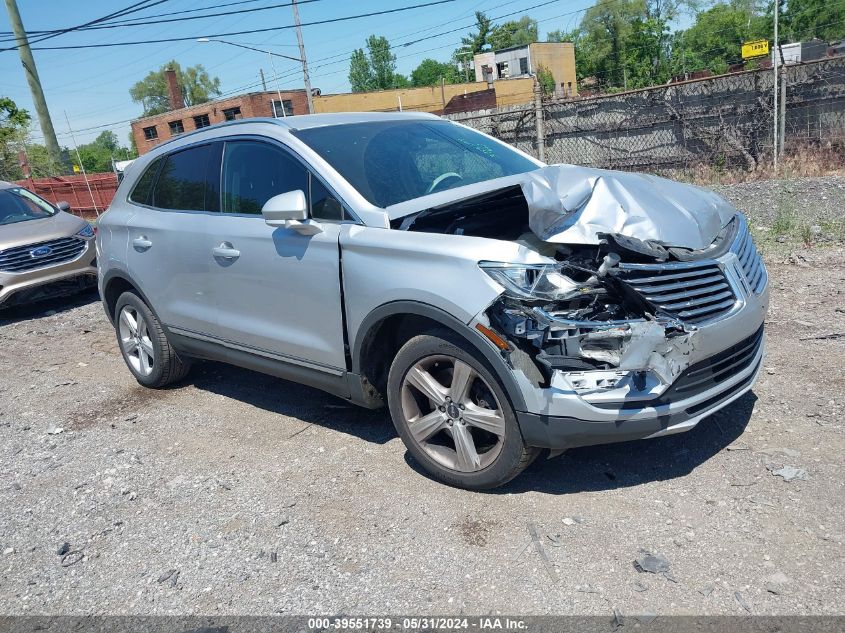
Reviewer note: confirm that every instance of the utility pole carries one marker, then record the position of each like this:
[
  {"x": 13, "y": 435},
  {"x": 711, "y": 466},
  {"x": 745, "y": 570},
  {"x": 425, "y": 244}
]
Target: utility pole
[
  {"x": 775, "y": 95},
  {"x": 31, "y": 72},
  {"x": 263, "y": 83},
  {"x": 538, "y": 120},
  {"x": 302, "y": 57}
]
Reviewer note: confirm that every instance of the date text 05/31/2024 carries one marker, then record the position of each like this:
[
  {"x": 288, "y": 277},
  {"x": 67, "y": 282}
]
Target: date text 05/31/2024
[{"x": 416, "y": 624}]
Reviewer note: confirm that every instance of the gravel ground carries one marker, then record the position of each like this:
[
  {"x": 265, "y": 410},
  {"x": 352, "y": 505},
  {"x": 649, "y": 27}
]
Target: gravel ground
[
  {"x": 808, "y": 210},
  {"x": 236, "y": 493}
]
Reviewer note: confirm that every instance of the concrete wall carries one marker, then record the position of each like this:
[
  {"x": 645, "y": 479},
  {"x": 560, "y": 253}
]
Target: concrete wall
[
  {"x": 559, "y": 58},
  {"x": 484, "y": 59},
  {"x": 426, "y": 99},
  {"x": 256, "y": 104}
]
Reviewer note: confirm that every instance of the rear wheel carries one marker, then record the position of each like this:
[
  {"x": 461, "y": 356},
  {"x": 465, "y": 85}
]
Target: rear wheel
[
  {"x": 144, "y": 345},
  {"x": 453, "y": 415}
]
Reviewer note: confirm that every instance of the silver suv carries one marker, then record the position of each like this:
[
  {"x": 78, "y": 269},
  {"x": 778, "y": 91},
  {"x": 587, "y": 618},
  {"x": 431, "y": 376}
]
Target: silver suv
[{"x": 498, "y": 306}]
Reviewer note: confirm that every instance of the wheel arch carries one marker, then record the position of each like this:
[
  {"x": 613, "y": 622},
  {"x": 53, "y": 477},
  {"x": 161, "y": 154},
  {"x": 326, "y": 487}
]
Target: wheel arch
[
  {"x": 386, "y": 328},
  {"x": 115, "y": 283}
]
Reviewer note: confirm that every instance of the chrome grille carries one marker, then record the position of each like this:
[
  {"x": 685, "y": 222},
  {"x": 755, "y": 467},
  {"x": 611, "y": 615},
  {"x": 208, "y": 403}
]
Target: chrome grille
[
  {"x": 749, "y": 259},
  {"x": 693, "y": 292},
  {"x": 20, "y": 258}
]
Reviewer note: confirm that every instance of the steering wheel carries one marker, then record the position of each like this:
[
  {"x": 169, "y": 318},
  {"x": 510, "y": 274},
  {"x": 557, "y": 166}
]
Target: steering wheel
[{"x": 442, "y": 177}]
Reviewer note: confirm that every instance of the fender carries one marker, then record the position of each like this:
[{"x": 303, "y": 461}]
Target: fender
[{"x": 476, "y": 339}]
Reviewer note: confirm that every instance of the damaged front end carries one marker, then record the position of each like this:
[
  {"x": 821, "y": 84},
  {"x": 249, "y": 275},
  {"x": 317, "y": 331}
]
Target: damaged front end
[
  {"x": 636, "y": 266},
  {"x": 581, "y": 318}
]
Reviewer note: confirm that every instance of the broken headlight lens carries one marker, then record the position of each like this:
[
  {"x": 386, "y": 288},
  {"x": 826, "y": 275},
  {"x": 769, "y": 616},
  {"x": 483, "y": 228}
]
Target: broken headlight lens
[{"x": 532, "y": 281}]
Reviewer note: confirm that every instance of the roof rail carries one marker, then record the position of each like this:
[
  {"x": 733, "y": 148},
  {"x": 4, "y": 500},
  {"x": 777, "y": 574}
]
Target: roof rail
[{"x": 223, "y": 124}]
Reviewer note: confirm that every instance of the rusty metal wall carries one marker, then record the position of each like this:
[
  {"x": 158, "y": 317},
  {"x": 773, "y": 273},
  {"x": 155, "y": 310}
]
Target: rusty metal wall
[{"x": 73, "y": 190}]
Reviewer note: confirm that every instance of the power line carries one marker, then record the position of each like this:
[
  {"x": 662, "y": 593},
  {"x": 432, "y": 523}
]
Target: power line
[
  {"x": 143, "y": 21},
  {"x": 132, "y": 8},
  {"x": 229, "y": 34}
]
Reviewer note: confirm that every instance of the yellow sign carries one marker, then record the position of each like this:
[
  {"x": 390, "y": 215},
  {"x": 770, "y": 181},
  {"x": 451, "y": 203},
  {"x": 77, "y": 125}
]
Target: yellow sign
[
  {"x": 76, "y": 169},
  {"x": 757, "y": 48}
]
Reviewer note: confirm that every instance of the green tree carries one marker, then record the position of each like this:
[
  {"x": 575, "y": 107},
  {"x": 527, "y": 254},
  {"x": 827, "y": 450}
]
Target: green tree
[
  {"x": 546, "y": 80},
  {"x": 813, "y": 19},
  {"x": 196, "y": 84},
  {"x": 476, "y": 42},
  {"x": 563, "y": 36},
  {"x": 382, "y": 61},
  {"x": 14, "y": 126},
  {"x": 714, "y": 41},
  {"x": 374, "y": 69},
  {"x": 361, "y": 77},
  {"x": 97, "y": 155},
  {"x": 605, "y": 31},
  {"x": 514, "y": 33},
  {"x": 430, "y": 71},
  {"x": 41, "y": 163},
  {"x": 133, "y": 146}
]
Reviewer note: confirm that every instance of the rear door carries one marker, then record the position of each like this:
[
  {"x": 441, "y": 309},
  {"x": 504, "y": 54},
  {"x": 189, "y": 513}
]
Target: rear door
[
  {"x": 277, "y": 292},
  {"x": 166, "y": 253}
]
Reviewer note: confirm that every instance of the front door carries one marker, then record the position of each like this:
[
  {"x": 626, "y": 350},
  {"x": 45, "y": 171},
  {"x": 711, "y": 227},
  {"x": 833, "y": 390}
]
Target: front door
[{"x": 277, "y": 293}]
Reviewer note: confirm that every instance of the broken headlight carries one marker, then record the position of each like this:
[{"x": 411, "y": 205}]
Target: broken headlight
[{"x": 532, "y": 281}]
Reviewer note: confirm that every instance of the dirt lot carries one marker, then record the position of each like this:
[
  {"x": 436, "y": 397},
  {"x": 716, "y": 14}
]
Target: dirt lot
[{"x": 239, "y": 493}]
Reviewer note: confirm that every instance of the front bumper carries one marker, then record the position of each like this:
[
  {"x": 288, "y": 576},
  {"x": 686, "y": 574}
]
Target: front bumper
[
  {"x": 51, "y": 281},
  {"x": 674, "y": 413},
  {"x": 732, "y": 346}
]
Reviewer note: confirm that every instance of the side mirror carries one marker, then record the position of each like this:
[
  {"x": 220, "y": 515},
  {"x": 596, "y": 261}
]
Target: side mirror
[
  {"x": 290, "y": 210},
  {"x": 63, "y": 206}
]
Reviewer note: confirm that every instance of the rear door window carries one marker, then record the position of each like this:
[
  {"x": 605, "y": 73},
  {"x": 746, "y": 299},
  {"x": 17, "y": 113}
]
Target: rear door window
[
  {"x": 188, "y": 181},
  {"x": 254, "y": 172}
]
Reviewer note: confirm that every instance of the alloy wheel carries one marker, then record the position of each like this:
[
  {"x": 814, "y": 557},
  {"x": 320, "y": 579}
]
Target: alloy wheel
[
  {"x": 452, "y": 413},
  {"x": 135, "y": 341}
]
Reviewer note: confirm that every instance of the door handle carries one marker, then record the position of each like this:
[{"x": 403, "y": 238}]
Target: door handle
[
  {"x": 141, "y": 243},
  {"x": 225, "y": 251}
]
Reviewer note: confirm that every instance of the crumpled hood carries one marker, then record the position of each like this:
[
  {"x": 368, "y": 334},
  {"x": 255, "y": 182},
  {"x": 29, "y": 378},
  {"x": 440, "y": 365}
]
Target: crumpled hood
[{"x": 570, "y": 204}]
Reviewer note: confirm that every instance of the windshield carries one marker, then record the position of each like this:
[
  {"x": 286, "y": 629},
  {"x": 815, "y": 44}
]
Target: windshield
[
  {"x": 18, "y": 204},
  {"x": 389, "y": 162}
]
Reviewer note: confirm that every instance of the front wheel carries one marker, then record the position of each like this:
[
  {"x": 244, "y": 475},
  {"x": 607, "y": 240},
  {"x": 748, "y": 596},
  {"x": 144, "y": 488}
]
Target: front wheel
[{"x": 453, "y": 415}]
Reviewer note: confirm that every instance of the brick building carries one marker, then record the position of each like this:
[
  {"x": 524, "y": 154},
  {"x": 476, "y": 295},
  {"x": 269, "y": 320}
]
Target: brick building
[{"x": 153, "y": 130}]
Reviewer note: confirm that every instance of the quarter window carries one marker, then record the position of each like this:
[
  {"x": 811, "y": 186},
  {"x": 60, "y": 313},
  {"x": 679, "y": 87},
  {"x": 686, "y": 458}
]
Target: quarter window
[
  {"x": 183, "y": 183},
  {"x": 143, "y": 188},
  {"x": 254, "y": 172}
]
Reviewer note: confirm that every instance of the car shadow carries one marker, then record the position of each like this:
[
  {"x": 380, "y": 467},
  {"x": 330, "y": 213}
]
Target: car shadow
[
  {"x": 284, "y": 397},
  {"x": 47, "y": 307},
  {"x": 592, "y": 468},
  {"x": 627, "y": 464}
]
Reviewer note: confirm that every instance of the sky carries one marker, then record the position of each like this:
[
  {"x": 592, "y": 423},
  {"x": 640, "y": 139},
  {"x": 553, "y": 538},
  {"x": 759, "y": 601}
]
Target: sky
[{"x": 92, "y": 85}]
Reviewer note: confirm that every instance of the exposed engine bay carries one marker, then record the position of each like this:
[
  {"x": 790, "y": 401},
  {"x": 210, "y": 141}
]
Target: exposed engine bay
[{"x": 617, "y": 306}]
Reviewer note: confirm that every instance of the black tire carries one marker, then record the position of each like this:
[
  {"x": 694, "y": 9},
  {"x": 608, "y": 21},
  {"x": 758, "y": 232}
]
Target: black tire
[
  {"x": 167, "y": 366},
  {"x": 513, "y": 456}
]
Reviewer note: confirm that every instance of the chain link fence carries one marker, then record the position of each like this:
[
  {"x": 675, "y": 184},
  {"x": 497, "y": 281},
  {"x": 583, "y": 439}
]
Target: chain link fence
[{"x": 724, "y": 122}]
